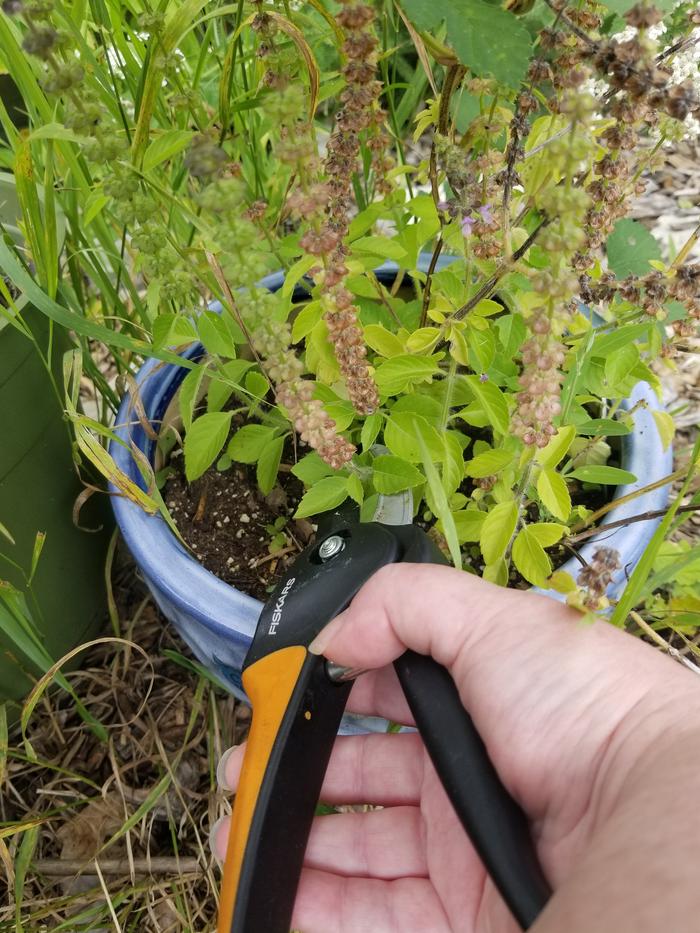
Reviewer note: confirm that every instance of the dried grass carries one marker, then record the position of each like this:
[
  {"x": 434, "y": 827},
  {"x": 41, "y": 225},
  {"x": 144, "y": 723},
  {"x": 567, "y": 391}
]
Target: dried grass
[{"x": 113, "y": 835}]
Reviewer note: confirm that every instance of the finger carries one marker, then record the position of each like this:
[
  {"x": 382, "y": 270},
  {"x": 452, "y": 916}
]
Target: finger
[
  {"x": 382, "y": 769},
  {"x": 329, "y": 903},
  {"x": 377, "y": 693},
  {"x": 375, "y": 844}
]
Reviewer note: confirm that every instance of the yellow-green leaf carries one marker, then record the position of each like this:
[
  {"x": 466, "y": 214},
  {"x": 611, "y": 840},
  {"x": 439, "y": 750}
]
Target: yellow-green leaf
[
  {"x": 382, "y": 341},
  {"x": 665, "y": 427},
  {"x": 547, "y": 533},
  {"x": 488, "y": 463},
  {"x": 556, "y": 449},
  {"x": 497, "y": 530},
  {"x": 553, "y": 491},
  {"x": 530, "y": 558}
]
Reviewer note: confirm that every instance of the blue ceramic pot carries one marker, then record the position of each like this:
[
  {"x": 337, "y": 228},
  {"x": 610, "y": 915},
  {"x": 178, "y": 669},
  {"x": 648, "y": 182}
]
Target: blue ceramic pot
[{"x": 216, "y": 620}]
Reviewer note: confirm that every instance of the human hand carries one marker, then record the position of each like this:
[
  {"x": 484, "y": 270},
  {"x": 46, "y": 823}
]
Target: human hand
[{"x": 577, "y": 720}]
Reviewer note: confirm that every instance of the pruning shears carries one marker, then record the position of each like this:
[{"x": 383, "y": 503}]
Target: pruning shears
[{"x": 298, "y": 700}]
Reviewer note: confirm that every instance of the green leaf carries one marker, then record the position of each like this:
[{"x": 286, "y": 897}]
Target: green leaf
[
  {"x": 557, "y": 447},
  {"x": 665, "y": 427},
  {"x": 511, "y": 332},
  {"x": 165, "y": 146},
  {"x": 488, "y": 463},
  {"x": 370, "y": 430},
  {"x": 547, "y": 533},
  {"x": 497, "y": 530},
  {"x": 602, "y": 427},
  {"x": 630, "y": 247},
  {"x": 355, "y": 490},
  {"x": 295, "y": 274},
  {"x": 173, "y": 330},
  {"x": 530, "y": 558},
  {"x": 257, "y": 385},
  {"x": 379, "y": 246},
  {"x": 561, "y": 582},
  {"x": 310, "y": 469},
  {"x": 553, "y": 491},
  {"x": 619, "y": 365},
  {"x": 306, "y": 320},
  {"x": 382, "y": 341},
  {"x": 391, "y": 475},
  {"x": 605, "y": 475},
  {"x": 493, "y": 402},
  {"x": 622, "y": 6},
  {"x": 401, "y": 433},
  {"x": 269, "y": 464},
  {"x": 215, "y": 335},
  {"x": 223, "y": 380},
  {"x": 324, "y": 495},
  {"x": 203, "y": 442},
  {"x": 189, "y": 394},
  {"x": 440, "y": 505},
  {"x": 249, "y": 442},
  {"x": 469, "y": 523},
  {"x": 402, "y": 372},
  {"x": 423, "y": 339},
  {"x": 472, "y": 26},
  {"x": 607, "y": 344}
]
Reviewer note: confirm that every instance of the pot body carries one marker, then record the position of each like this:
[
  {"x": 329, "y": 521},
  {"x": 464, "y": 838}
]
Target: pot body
[
  {"x": 216, "y": 620},
  {"x": 38, "y": 487}
]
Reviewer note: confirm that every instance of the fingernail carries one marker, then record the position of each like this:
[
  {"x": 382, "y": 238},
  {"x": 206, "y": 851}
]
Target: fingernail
[
  {"x": 213, "y": 833},
  {"x": 325, "y": 636},
  {"x": 221, "y": 769}
]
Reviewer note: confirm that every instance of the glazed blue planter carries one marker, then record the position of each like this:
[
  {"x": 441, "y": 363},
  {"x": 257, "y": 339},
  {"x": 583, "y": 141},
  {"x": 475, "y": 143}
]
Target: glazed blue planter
[{"x": 217, "y": 621}]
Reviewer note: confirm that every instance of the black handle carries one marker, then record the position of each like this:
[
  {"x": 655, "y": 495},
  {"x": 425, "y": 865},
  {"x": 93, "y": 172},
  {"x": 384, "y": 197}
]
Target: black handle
[{"x": 496, "y": 825}]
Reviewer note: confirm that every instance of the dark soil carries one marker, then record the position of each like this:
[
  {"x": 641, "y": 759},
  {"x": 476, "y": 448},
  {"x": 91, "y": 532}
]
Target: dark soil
[{"x": 223, "y": 518}]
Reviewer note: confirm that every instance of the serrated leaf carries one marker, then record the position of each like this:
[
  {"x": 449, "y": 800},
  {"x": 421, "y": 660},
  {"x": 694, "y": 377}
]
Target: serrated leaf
[
  {"x": 493, "y": 402},
  {"x": 497, "y": 530},
  {"x": 423, "y": 339},
  {"x": 512, "y": 332},
  {"x": 471, "y": 27},
  {"x": 249, "y": 442},
  {"x": 402, "y": 372},
  {"x": 215, "y": 335},
  {"x": 530, "y": 558},
  {"x": 326, "y": 494},
  {"x": 355, "y": 490},
  {"x": 223, "y": 380},
  {"x": 488, "y": 463},
  {"x": 469, "y": 523},
  {"x": 203, "y": 442},
  {"x": 269, "y": 464},
  {"x": 602, "y": 427},
  {"x": 311, "y": 468},
  {"x": 392, "y": 475},
  {"x": 547, "y": 533},
  {"x": 379, "y": 246},
  {"x": 557, "y": 447},
  {"x": 630, "y": 247},
  {"x": 370, "y": 430},
  {"x": 665, "y": 426},
  {"x": 619, "y": 365},
  {"x": 306, "y": 320},
  {"x": 401, "y": 433},
  {"x": 605, "y": 475},
  {"x": 382, "y": 341},
  {"x": 553, "y": 491}
]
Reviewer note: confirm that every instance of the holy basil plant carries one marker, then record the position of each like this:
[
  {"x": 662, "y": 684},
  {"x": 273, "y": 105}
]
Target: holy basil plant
[{"x": 486, "y": 367}]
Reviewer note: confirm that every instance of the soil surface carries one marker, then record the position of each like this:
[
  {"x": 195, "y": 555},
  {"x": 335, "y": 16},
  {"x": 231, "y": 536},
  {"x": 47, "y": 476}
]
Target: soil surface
[{"x": 226, "y": 521}]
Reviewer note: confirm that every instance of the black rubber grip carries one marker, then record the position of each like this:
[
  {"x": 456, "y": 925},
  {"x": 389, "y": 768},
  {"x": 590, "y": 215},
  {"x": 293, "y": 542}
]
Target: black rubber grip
[{"x": 495, "y": 823}]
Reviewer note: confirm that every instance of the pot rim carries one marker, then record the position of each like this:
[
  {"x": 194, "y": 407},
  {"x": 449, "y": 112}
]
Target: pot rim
[{"x": 227, "y": 612}]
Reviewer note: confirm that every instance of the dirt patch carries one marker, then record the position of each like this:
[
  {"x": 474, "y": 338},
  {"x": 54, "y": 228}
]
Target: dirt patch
[{"x": 230, "y": 525}]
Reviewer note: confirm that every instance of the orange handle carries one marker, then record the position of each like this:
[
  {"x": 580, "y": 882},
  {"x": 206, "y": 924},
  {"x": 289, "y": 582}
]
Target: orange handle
[{"x": 269, "y": 683}]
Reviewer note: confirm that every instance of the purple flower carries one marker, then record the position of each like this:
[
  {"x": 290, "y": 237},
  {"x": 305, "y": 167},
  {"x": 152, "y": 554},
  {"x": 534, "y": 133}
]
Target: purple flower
[
  {"x": 467, "y": 226},
  {"x": 443, "y": 205},
  {"x": 486, "y": 213},
  {"x": 483, "y": 377}
]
